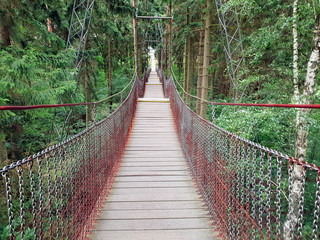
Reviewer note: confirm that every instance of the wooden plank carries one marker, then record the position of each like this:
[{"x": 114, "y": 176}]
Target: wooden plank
[
  {"x": 153, "y": 173},
  {"x": 153, "y": 224},
  {"x": 155, "y": 214},
  {"x": 154, "y": 164},
  {"x": 152, "y": 197},
  {"x": 181, "y": 234},
  {"x": 153, "y": 205},
  {"x": 146, "y": 185},
  {"x": 153, "y": 178},
  {"x": 154, "y": 154},
  {"x": 153, "y": 160},
  {"x": 153, "y": 191},
  {"x": 154, "y": 168}
]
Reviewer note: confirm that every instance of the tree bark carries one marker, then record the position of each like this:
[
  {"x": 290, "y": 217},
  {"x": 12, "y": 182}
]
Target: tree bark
[
  {"x": 5, "y": 31},
  {"x": 166, "y": 49},
  {"x": 87, "y": 94},
  {"x": 295, "y": 52},
  {"x": 185, "y": 71},
  {"x": 3, "y": 149},
  {"x": 109, "y": 80},
  {"x": 135, "y": 40},
  {"x": 206, "y": 63},
  {"x": 170, "y": 38},
  {"x": 162, "y": 56},
  {"x": 200, "y": 70},
  {"x": 189, "y": 70},
  {"x": 302, "y": 127}
]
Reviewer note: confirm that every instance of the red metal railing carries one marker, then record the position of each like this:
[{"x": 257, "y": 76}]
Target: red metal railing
[
  {"x": 247, "y": 187},
  {"x": 57, "y": 193}
]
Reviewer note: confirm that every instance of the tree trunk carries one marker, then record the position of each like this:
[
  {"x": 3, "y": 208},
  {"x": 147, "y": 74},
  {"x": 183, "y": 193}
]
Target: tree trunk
[
  {"x": 295, "y": 52},
  {"x": 189, "y": 70},
  {"x": 200, "y": 70},
  {"x": 109, "y": 74},
  {"x": 3, "y": 149},
  {"x": 109, "y": 82},
  {"x": 49, "y": 23},
  {"x": 170, "y": 38},
  {"x": 162, "y": 56},
  {"x": 135, "y": 40},
  {"x": 87, "y": 94},
  {"x": 5, "y": 31},
  {"x": 140, "y": 55},
  {"x": 185, "y": 71},
  {"x": 302, "y": 127},
  {"x": 206, "y": 63},
  {"x": 166, "y": 50}
]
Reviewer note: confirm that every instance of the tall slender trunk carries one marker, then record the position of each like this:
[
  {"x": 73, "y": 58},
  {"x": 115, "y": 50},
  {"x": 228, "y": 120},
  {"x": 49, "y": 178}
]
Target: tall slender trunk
[
  {"x": 200, "y": 70},
  {"x": 135, "y": 40},
  {"x": 302, "y": 127},
  {"x": 206, "y": 63},
  {"x": 109, "y": 81},
  {"x": 140, "y": 55},
  {"x": 189, "y": 70},
  {"x": 162, "y": 56},
  {"x": 295, "y": 52},
  {"x": 185, "y": 69},
  {"x": 170, "y": 37},
  {"x": 166, "y": 49},
  {"x": 87, "y": 94}
]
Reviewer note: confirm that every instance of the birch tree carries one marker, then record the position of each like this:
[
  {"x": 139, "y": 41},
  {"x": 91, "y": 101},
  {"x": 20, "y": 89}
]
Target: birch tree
[{"x": 302, "y": 124}]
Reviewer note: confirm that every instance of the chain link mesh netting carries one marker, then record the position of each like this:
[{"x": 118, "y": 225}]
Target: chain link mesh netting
[
  {"x": 57, "y": 193},
  {"x": 247, "y": 187}
]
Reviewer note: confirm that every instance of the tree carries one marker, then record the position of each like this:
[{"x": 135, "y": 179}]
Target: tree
[
  {"x": 302, "y": 126},
  {"x": 206, "y": 62}
]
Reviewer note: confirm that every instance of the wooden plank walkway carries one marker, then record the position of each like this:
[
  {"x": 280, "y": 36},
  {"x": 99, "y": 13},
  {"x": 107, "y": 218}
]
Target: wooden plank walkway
[{"x": 153, "y": 197}]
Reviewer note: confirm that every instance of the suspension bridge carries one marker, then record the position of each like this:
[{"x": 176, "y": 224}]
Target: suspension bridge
[{"x": 154, "y": 169}]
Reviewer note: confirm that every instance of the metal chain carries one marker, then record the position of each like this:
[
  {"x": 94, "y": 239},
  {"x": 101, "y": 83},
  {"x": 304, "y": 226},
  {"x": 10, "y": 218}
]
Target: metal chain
[
  {"x": 49, "y": 194},
  {"x": 55, "y": 190},
  {"x": 278, "y": 197},
  {"x": 213, "y": 114},
  {"x": 290, "y": 172},
  {"x": 301, "y": 202},
  {"x": 268, "y": 205},
  {"x": 315, "y": 233},
  {"x": 254, "y": 177},
  {"x": 33, "y": 199},
  {"x": 238, "y": 169},
  {"x": 7, "y": 179},
  {"x": 248, "y": 185},
  {"x": 39, "y": 160},
  {"x": 60, "y": 192},
  {"x": 262, "y": 155},
  {"x": 21, "y": 200}
]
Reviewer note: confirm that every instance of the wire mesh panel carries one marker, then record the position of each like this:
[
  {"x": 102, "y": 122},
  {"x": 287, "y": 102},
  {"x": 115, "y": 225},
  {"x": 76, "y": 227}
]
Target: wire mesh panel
[
  {"x": 247, "y": 187},
  {"x": 57, "y": 193}
]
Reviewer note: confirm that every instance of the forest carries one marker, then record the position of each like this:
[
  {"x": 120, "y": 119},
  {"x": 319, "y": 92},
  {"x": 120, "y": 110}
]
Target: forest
[{"x": 268, "y": 52}]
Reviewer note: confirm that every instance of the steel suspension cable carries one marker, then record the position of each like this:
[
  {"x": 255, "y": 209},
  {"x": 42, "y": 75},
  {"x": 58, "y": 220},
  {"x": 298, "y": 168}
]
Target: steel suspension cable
[
  {"x": 313, "y": 106},
  {"x": 3, "y": 108}
]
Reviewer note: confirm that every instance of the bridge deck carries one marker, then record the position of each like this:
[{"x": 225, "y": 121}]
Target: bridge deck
[{"x": 153, "y": 196}]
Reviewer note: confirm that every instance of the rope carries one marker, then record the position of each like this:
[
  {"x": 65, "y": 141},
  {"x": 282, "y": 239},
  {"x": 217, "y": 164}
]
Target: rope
[
  {"x": 313, "y": 106},
  {"x": 4, "y": 108}
]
